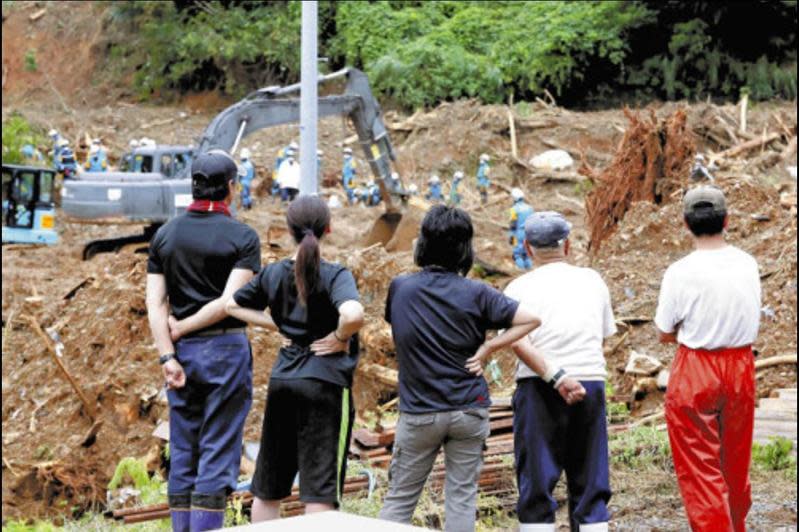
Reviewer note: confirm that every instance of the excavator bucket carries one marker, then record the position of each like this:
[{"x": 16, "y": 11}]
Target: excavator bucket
[{"x": 397, "y": 230}]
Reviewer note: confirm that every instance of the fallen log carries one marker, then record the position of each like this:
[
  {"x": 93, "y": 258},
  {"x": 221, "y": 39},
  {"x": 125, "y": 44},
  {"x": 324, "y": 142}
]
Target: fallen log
[
  {"x": 646, "y": 420},
  {"x": 789, "y": 151},
  {"x": 90, "y": 409},
  {"x": 774, "y": 361},
  {"x": 746, "y": 146},
  {"x": 383, "y": 374}
]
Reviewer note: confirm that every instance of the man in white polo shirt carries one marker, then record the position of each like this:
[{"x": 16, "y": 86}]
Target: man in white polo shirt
[
  {"x": 710, "y": 305},
  {"x": 552, "y": 434}
]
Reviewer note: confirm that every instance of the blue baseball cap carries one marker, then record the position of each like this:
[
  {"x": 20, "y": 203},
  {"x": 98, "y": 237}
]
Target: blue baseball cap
[{"x": 546, "y": 229}]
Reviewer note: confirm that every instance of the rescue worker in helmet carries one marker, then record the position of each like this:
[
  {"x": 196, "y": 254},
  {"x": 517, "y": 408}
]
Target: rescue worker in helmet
[
  {"x": 348, "y": 173},
  {"x": 95, "y": 162},
  {"x": 483, "y": 180},
  {"x": 246, "y": 175},
  {"x": 434, "y": 189},
  {"x": 519, "y": 213},
  {"x": 454, "y": 196}
]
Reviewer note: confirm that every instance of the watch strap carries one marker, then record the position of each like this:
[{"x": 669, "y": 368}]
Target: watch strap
[{"x": 163, "y": 359}]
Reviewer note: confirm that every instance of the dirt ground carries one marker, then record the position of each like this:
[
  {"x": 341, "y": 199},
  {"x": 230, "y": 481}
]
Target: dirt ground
[{"x": 58, "y": 458}]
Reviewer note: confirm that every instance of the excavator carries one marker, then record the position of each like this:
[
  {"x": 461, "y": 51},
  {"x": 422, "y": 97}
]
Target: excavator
[{"x": 154, "y": 198}]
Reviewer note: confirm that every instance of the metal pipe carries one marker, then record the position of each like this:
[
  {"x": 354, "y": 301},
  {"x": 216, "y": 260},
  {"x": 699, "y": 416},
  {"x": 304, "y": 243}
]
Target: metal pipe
[
  {"x": 238, "y": 137},
  {"x": 309, "y": 71},
  {"x": 297, "y": 86}
]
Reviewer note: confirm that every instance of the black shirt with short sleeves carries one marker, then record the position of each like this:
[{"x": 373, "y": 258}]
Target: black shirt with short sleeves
[
  {"x": 274, "y": 288},
  {"x": 439, "y": 319},
  {"x": 196, "y": 251}
]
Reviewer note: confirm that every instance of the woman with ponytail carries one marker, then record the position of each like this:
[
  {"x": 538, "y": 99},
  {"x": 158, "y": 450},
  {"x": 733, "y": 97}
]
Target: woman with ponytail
[{"x": 309, "y": 410}]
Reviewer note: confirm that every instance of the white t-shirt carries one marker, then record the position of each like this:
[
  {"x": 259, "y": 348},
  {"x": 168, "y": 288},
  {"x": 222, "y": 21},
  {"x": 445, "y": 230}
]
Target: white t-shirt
[
  {"x": 288, "y": 175},
  {"x": 573, "y": 304},
  {"x": 714, "y": 297}
]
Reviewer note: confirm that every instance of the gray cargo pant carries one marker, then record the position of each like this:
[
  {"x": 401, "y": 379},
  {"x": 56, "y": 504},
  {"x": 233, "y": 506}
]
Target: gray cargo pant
[{"x": 418, "y": 439}]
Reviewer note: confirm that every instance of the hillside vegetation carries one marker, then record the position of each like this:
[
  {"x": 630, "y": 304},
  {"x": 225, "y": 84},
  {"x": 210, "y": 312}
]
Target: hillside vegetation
[{"x": 422, "y": 53}]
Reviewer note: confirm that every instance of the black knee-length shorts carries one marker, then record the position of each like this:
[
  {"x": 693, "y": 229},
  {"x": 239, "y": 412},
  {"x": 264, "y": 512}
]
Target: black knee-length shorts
[{"x": 306, "y": 429}]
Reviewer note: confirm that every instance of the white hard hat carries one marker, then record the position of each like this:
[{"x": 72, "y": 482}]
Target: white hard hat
[
  {"x": 319, "y": 153},
  {"x": 96, "y": 141},
  {"x": 348, "y": 150},
  {"x": 133, "y": 143},
  {"x": 370, "y": 183},
  {"x": 294, "y": 146},
  {"x": 484, "y": 157},
  {"x": 394, "y": 175},
  {"x": 516, "y": 193},
  {"x": 412, "y": 187},
  {"x": 52, "y": 133},
  {"x": 458, "y": 175},
  {"x": 245, "y": 153},
  {"x": 94, "y": 149},
  {"x": 62, "y": 142},
  {"x": 435, "y": 179}
]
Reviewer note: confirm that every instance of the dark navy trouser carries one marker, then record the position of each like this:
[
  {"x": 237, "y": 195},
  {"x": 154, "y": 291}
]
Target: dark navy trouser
[
  {"x": 206, "y": 416},
  {"x": 550, "y": 436}
]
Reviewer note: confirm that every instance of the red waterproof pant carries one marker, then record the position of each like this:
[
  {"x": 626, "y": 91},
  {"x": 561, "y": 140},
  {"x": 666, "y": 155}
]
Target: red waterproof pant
[{"x": 710, "y": 405}]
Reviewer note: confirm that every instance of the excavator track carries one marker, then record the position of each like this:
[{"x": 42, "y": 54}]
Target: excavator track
[{"x": 131, "y": 243}]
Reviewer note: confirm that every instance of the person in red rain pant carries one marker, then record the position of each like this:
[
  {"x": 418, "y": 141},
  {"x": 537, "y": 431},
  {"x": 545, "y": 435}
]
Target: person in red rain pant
[{"x": 710, "y": 305}]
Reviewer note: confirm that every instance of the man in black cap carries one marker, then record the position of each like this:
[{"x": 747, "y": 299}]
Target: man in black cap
[
  {"x": 197, "y": 261},
  {"x": 559, "y": 422}
]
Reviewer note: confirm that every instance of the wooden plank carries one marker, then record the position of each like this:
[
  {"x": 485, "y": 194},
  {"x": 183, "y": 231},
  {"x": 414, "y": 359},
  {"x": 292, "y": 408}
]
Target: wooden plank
[
  {"x": 787, "y": 393},
  {"x": 775, "y": 415},
  {"x": 776, "y": 427},
  {"x": 367, "y": 438},
  {"x": 776, "y": 403}
]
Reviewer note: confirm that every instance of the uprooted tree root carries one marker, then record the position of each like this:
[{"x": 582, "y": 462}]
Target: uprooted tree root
[
  {"x": 55, "y": 484},
  {"x": 651, "y": 163}
]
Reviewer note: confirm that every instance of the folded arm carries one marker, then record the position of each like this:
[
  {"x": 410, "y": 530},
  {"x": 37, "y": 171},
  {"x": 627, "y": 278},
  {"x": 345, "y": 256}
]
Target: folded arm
[
  {"x": 249, "y": 315},
  {"x": 569, "y": 388},
  {"x": 524, "y": 322},
  {"x": 213, "y": 311}
]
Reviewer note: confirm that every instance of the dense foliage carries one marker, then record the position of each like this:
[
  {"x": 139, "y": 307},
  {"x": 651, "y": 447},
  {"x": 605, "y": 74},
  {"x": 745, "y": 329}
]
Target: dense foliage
[
  {"x": 420, "y": 53},
  {"x": 18, "y": 132}
]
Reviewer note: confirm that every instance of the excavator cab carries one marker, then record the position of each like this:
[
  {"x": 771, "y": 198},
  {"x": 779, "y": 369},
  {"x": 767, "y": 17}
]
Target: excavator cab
[{"x": 28, "y": 205}]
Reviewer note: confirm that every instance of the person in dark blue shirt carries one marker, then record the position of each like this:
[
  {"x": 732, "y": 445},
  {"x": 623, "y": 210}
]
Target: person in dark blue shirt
[
  {"x": 439, "y": 320},
  {"x": 309, "y": 412}
]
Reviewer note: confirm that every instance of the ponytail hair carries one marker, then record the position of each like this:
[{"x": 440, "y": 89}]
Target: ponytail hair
[{"x": 308, "y": 218}]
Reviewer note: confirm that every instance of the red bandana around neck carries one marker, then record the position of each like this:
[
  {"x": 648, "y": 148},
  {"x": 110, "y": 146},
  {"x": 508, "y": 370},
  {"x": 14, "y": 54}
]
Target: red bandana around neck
[{"x": 209, "y": 206}]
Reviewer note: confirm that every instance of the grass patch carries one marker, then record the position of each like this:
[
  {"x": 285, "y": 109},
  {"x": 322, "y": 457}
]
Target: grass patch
[
  {"x": 133, "y": 471},
  {"x": 777, "y": 455},
  {"x": 640, "y": 447},
  {"x": 616, "y": 412}
]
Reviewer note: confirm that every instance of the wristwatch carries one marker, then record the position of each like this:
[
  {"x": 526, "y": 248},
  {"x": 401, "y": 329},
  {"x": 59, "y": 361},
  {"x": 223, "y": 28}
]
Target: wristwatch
[
  {"x": 554, "y": 379},
  {"x": 163, "y": 359}
]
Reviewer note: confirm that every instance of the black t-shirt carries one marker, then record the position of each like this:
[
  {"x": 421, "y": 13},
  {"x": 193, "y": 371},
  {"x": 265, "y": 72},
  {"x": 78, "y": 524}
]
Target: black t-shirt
[
  {"x": 274, "y": 288},
  {"x": 196, "y": 252},
  {"x": 439, "y": 320}
]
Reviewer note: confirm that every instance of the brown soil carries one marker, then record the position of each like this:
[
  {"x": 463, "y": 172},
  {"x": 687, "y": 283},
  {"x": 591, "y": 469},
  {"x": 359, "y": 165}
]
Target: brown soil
[{"x": 97, "y": 307}]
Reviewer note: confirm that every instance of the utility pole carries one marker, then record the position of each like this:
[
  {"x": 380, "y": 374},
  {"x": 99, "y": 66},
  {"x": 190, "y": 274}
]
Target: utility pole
[{"x": 308, "y": 98}]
